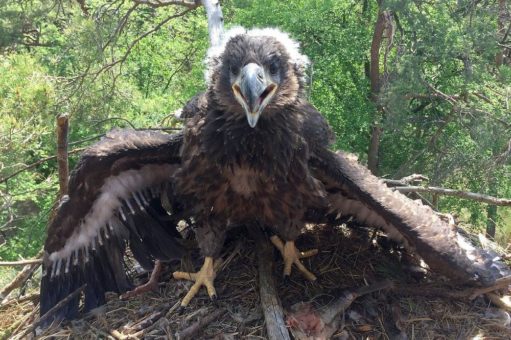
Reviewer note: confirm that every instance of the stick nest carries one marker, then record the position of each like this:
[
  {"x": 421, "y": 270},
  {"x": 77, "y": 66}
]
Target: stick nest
[{"x": 349, "y": 258}]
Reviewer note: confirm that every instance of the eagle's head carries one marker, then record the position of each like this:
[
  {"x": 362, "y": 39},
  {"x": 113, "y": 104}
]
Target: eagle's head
[{"x": 256, "y": 72}]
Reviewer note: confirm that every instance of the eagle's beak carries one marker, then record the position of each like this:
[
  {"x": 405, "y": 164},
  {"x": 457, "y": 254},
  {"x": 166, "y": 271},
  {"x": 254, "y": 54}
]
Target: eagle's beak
[{"x": 253, "y": 90}]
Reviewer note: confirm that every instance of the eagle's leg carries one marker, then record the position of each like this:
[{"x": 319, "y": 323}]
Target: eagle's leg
[
  {"x": 292, "y": 255},
  {"x": 204, "y": 277},
  {"x": 210, "y": 237},
  {"x": 150, "y": 285}
]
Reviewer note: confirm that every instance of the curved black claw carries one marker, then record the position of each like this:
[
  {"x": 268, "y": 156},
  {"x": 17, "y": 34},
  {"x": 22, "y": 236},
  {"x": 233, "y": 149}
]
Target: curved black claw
[
  {"x": 180, "y": 310},
  {"x": 214, "y": 300},
  {"x": 286, "y": 279}
]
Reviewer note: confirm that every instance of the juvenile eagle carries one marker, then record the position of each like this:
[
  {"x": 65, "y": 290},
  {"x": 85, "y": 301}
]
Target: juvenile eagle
[
  {"x": 246, "y": 154},
  {"x": 254, "y": 150}
]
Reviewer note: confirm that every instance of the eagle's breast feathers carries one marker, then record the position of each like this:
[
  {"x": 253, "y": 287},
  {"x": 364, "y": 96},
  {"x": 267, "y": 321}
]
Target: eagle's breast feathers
[{"x": 239, "y": 174}]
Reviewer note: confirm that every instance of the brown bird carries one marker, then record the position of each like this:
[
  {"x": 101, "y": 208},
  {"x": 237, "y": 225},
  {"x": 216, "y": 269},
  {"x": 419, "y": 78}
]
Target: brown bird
[
  {"x": 254, "y": 151},
  {"x": 245, "y": 154}
]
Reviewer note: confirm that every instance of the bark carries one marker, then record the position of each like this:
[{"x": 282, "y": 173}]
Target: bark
[
  {"x": 62, "y": 153},
  {"x": 374, "y": 76},
  {"x": 374, "y": 147},
  {"x": 491, "y": 217},
  {"x": 191, "y": 331},
  {"x": 83, "y": 7},
  {"x": 272, "y": 309},
  {"x": 501, "y": 31},
  {"x": 215, "y": 21}
]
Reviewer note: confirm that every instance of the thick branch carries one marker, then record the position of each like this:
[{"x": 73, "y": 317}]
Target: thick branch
[
  {"x": 375, "y": 55},
  {"x": 458, "y": 193},
  {"x": 272, "y": 309},
  {"x": 83, "y": 7},
  {"x": 406, "y": 180},
  {"x": 374, "y": 74},
  {"x": 215, "y": 21}
]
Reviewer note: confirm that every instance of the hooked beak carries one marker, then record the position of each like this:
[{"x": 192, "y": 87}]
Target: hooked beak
[{"x": 253, "y": 90}]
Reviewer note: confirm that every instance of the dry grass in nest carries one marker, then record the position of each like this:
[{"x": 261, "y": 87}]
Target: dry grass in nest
[{"x": 348, "y": 259}]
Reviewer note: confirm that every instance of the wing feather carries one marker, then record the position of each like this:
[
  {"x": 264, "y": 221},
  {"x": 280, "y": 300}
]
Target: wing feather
[
  {"x": 355, "y": 191},
  {"x": 114, "y": 200}
]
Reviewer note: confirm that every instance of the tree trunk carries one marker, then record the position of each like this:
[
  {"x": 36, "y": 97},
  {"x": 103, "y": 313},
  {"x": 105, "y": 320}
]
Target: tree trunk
[
  {"x": 502, "y": 32},
  {"x": 491, "y": 216},
  {"x": 62, "y": 152},
  {"x": 374, "y": 147},
  {"x": 374, "y": 75}
]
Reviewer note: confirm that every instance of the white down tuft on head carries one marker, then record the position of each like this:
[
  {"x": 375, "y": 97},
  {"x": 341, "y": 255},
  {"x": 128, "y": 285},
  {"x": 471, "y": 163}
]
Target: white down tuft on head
[{"x": 213, "y": 58}]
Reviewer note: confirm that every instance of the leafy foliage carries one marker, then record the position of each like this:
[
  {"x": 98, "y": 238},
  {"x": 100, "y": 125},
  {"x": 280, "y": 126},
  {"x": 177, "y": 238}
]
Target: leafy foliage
[{"x": 446, "y": 103}]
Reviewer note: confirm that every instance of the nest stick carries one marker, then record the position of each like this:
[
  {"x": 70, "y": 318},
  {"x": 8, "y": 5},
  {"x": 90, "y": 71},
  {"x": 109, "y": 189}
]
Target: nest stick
[
  {"x": 501, "y": 283},
  {"x": 343, "y": 302},
  {"x": 20, "y": 278},
  {"x": 441, "y": 291},
  {"x": 270, "y": 303},
  {"x": 51, "y": 311},
  {"x": 190, "y": 331}
]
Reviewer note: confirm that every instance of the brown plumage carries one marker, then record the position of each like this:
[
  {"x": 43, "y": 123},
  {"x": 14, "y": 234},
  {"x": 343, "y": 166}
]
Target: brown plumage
[
  {"x": 254, "y": 150},
  {"x": 237, "y": 169},
  {"x": 235, "y": 174}
]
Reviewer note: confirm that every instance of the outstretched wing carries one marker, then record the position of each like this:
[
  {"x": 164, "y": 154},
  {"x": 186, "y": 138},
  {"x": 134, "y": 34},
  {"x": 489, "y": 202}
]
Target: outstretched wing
[
  {"x": 354, "y": 191},
  {"x": 115, "y": 200}
]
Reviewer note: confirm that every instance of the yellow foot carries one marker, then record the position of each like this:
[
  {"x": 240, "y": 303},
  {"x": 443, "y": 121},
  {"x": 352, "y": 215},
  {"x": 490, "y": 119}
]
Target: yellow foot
[
  {"x": 204, "y": 277},
  {"x": 152, "y": 284},
  {"x": 292, "y": 256}
]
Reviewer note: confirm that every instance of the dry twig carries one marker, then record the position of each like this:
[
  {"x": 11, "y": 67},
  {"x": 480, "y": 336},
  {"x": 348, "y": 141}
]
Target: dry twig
[
  {"x": 190, "y": 331},
  {"x": 50, "y": 312},
  {"x": 21, "y": 278},
  {"x": 33, "y": 165},
  {"x": 448, "y": 292},
  {"x": 20, "y": 263}
]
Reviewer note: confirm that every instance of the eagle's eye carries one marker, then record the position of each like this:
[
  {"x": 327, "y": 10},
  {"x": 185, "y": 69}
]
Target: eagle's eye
[
  {"x": 274, "y": 68},
  {"x": 235, "y": 70}
]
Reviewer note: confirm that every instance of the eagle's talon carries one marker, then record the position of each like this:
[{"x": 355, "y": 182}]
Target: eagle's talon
[
  {"x": 214, "y": 300},
  {"x": 150, "y": 285},
  {"x": 180, "y": 310},
  {"x": 292, "y": 256},
  {"x": 204, "y": 277}
]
